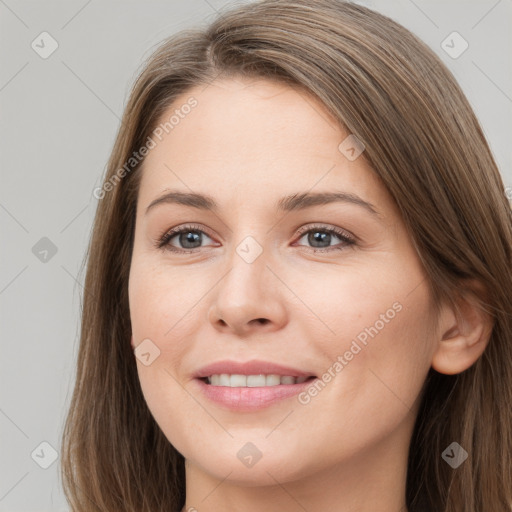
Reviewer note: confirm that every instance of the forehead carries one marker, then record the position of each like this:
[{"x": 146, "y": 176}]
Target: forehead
[{"x": 252, "y": 138}]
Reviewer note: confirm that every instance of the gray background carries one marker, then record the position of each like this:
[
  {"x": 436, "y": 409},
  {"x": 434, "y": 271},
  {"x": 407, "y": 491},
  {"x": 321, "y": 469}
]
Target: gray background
[{"x": 58, "y": 120}]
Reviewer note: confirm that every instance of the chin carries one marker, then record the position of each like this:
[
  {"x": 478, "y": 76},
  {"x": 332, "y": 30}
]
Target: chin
[{"x": 265, "y": 471}]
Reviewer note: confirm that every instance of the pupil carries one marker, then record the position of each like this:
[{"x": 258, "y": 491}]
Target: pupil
[
  {"x": 313, "y": 238},
  {"x": 189, "y": 237}
]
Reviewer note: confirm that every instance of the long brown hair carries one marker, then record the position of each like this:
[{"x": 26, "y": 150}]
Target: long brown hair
[{"x": 422, "y": 139}]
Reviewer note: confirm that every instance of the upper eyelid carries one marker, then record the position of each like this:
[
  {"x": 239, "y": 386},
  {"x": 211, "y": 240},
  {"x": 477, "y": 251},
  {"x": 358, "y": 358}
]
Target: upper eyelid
[
  {"x": 325, "y": 227},
  {"x": 171, "y": 233},
  {"x": 188, "y": 227}
]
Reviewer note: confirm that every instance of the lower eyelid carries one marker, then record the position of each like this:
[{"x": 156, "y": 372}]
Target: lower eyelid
[
  {"x": 345, "y": 242},
  {"x": 342, "y": 244}
]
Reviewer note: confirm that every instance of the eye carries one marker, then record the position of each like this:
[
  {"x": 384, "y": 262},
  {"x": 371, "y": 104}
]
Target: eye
[
  {"x": 189, "y": 237},
  {"x": 321, "y": 236}
]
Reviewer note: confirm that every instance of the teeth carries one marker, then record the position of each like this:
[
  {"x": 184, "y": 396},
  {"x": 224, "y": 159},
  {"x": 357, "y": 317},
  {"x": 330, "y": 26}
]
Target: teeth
[
  {"x": 252, "y": 381},
  {"x": 238, "y": 381},
  {"x": 223, "y": 380},
  {"x": 272, "y": 380}
]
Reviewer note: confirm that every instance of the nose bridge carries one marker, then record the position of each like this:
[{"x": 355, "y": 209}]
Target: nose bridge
[
  {"x": 249, "y": 291},
  {"x": 250, "y": 251},
  {"x": 249, "y": 274}
]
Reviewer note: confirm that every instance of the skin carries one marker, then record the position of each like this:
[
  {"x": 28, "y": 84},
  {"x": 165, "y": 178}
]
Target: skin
[{"x": 247, "y": 144}]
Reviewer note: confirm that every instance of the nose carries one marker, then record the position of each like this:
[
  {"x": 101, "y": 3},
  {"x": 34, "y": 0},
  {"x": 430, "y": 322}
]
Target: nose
[{"x": 249, "y": 298}]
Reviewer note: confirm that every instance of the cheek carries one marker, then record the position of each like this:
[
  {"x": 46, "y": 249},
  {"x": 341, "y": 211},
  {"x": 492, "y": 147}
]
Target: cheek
[
  {"x": 161, "y": 303},
  {"x": 377, "y": 350},
  {"x": 382, "y": 308},
  {"x": 164, "y": 309}
]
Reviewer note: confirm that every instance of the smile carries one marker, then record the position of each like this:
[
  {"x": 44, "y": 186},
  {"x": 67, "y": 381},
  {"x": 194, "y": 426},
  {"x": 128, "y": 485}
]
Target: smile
[
  {"x": 253, "y": 381},
  {"x": 248, "y": 393}
]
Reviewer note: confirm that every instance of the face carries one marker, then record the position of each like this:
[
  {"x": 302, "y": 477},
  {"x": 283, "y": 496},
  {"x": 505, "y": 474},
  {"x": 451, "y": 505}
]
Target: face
[{"x": 330, "y": 291}]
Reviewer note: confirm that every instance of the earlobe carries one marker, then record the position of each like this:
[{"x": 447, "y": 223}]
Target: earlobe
[{"x": 465, "y": 331}]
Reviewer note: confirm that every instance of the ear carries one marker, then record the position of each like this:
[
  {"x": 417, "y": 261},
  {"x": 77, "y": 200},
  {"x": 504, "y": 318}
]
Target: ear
[
  {"x": 131, "y": 343},
  {"x": 465, "y": 330}
]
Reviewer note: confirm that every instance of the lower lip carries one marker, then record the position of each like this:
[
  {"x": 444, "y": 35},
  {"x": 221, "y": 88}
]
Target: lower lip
[{"x": 248, "y": 399}]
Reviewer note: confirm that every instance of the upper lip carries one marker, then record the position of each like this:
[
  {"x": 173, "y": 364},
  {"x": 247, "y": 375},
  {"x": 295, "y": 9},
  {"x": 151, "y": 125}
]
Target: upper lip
[{"x": 253, "y": 367}]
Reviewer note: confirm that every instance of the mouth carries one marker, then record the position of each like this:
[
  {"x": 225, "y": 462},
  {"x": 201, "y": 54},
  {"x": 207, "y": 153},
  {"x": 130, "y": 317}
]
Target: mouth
[
  {"x": 254, "y": 381},
  {"x": 250, "y": 393},
  {"x": 250, "y": 385}
]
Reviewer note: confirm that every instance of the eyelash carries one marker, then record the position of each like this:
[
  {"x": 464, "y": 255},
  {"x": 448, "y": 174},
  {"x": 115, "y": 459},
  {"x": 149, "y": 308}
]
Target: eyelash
[{"x": 162, "y": 242}]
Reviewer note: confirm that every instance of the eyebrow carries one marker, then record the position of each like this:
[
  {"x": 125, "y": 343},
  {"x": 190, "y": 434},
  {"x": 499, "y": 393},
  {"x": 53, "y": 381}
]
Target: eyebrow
[{"x": 297, "y": 201}]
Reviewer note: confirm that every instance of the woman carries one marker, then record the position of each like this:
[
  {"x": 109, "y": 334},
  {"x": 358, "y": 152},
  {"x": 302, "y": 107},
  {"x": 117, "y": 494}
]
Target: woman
[{"x": 298, "y": 281}]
